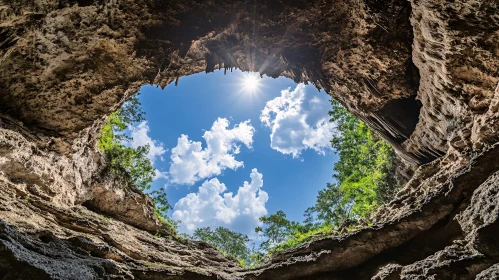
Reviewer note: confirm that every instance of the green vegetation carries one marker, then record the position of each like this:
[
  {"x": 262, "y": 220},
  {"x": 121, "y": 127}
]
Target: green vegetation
[
  {"x": 230, "y": 243},
  {"x": 280, "y": 233},
  {"x": 278, "y": 230},
  {"x": 132, "y": 164},
  {"x": 364, "y": 173},
  {"x": 364, "y": 179},
  {"x": 161, "y": 207}
]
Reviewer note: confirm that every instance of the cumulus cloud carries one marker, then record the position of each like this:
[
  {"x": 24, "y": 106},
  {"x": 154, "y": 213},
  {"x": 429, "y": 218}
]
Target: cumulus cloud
[
  {"x": 298, "y": 120},
  {"x": 160, "y": 175},
  {"x": 191, "y": 162},
  {"x": 140, "y": 137},
  {"x": 212, "y": 207}
]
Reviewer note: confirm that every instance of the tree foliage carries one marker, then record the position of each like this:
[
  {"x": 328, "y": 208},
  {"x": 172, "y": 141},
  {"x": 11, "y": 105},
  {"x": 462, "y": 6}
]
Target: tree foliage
[
  {"x": 328, "y": 207},
  {"x": 364, "y": 173},
  {"x": 228, "y": 242},
  {"x": 161, "y": 208},
  {"x": 364, "y": 179},
  {"x": 128, "y": 163},
  {"x": 132, "y": 164},
  {"x": 276, "y": 229},
  {"x": 281, "y": 233}
]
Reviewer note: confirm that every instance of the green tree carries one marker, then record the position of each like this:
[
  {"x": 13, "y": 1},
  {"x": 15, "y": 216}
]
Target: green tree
[
  {"x": 256, "y": 257},
  {"x": 364, "y": 173},
  {"x": 276, "y": 229},
  {"x": 130, "y": 164},
  {"x": 160, "y": 201},
  {"x": 328, "y": 207},
  {"x": 161, "y": 208},
  {"x": 281, "y": 233},
  {"x": 364, "y": 179},
  {"x": 228, "y": 242}
]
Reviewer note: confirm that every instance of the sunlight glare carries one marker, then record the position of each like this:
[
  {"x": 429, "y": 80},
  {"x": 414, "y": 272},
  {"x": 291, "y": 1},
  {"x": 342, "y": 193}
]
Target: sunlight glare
[{"x": 251, "y": 83}]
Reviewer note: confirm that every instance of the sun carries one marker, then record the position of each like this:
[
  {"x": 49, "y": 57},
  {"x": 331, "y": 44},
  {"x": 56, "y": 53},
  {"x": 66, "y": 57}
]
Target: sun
[
  {"x": 251, "y": 82},
  {"x": 249, "y": 87}
]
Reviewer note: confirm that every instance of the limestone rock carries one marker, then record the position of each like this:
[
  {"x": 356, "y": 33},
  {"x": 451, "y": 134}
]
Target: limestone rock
[{"x": 424, "y": 74}]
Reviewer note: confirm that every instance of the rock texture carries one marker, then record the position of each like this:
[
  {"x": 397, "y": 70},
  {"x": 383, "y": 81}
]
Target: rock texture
[
  {"x": 48, "y": 232},
  {"x": 423, "y": 73}
]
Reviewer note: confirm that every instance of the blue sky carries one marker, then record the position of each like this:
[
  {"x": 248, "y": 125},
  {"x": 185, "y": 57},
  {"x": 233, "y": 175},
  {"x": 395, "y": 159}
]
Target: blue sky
[{"x": 213, "y": 132}]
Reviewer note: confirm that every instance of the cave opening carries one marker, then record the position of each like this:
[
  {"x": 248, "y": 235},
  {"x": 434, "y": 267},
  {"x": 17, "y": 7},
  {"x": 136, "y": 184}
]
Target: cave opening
[
  {"x": 230, "y": 149},
  {"x": 224, "y": 128},
  {"x": 248, "y": 162}
]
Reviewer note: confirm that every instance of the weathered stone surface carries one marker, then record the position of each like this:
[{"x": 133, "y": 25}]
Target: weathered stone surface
[
  {"x": 491, "y": 273},
  {"x": 389, "y": 272},
  {"x": 45, "y": 234},
  {"x": 454, "y": 262},
  {"x": 424, "y": 74},
  {"x": 79, "y": 62},
  {"x": 400, "y": 222}
]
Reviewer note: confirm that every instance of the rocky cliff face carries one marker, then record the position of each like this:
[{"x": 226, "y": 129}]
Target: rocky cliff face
[{"x": 424, "y": 74}]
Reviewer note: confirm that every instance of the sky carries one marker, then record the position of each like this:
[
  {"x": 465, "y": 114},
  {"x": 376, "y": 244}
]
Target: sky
[{"x": 231, "y": 148}]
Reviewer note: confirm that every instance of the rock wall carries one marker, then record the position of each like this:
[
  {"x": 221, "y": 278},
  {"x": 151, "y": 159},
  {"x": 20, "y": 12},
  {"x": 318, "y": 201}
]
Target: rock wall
[{"x": 424, "y": 74}]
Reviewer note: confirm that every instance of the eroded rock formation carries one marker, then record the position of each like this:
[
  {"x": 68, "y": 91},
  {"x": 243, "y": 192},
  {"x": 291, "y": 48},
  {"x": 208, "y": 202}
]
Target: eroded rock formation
[{"x": 424, "y": 74}]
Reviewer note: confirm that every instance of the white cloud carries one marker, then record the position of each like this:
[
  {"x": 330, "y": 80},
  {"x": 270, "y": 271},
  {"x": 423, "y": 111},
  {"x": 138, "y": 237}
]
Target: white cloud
[
  {"x": 140, "y": 137},
  {"x": 191, "y": 162},
  {"x": 299, "y": 120},
  {"x": 160, "y": 175},
  {"x": 210, "y": 206}
]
